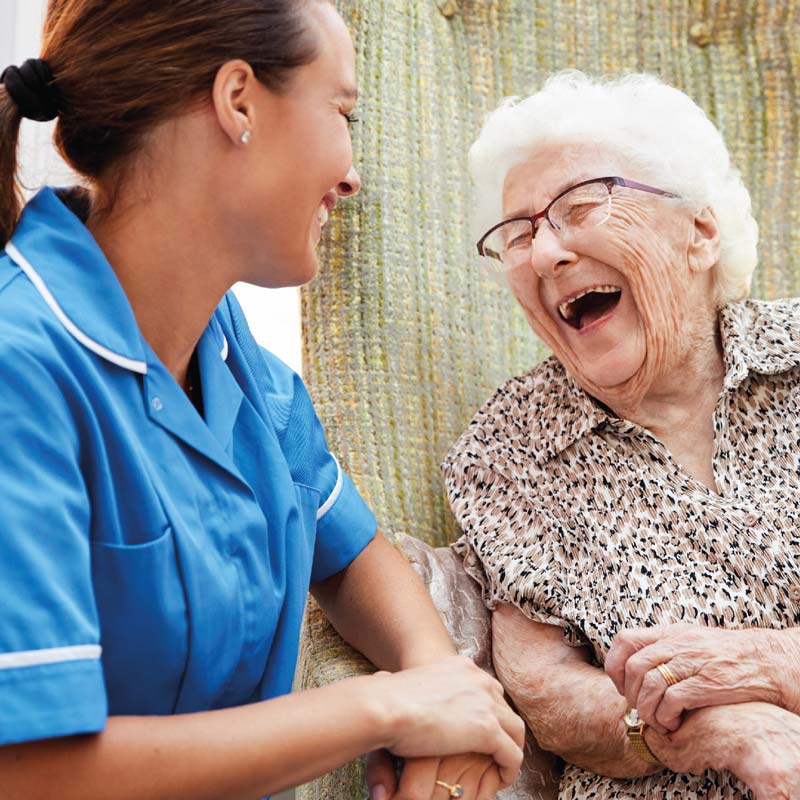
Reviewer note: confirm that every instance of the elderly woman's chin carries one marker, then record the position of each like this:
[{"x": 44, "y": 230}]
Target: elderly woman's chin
[
  {"x": 607, "y": 369},
  {"x": 598, "y": 359}
]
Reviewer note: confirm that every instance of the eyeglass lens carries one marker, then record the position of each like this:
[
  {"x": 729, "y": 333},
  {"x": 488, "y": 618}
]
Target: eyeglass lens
[{"x": 581, "y": 208}]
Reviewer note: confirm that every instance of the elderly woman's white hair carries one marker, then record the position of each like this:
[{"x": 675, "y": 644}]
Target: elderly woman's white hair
[{"x": 658, "y": 127}]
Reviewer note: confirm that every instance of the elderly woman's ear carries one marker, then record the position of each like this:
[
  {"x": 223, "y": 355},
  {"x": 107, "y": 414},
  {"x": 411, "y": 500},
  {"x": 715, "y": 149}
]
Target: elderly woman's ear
[{"x": 704, "y": 244}]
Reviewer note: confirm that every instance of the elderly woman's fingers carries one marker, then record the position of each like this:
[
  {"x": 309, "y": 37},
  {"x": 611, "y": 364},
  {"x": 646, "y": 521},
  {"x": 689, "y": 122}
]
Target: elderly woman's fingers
[
  {"x": 626, "y": 643},
  {"x": 682, "y": 697},
  {"x": 381, "y": 774},
  {"x": 655, "y": 686},
  {"x": 434, "y": 779},
  {"x": 490, "y": 784},
  {"x": 642, "y": 665},
  {"x": 417, "y": 778},
  {"x": 470, "y": 782}
]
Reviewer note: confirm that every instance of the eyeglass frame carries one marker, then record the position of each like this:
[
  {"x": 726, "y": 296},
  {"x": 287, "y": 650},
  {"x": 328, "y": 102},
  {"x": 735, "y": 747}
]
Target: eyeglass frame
[{"x": 609, "y": 181}]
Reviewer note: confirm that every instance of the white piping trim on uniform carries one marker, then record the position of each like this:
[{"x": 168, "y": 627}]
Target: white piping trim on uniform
[
  {"x": 91, "y": 344},
  {"x": 224, "y": 351},
  {"x": 337, "y": 490},
  {"x": 51, "y": 655}
]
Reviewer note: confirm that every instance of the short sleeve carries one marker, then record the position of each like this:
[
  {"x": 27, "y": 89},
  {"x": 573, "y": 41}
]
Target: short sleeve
[
  {"x": 503, "y": 547},
  {"x": 345, "y": 524},
  {"x": 51, "y": 679}
]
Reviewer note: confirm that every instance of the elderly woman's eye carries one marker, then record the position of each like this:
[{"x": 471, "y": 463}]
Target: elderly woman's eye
[
  {"x": 519, "y": 240},
  {"x": 581, "y": 212}
]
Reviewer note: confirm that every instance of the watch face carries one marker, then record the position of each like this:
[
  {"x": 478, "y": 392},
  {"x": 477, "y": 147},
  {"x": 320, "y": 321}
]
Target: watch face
[{"x": 632, "y": 719}]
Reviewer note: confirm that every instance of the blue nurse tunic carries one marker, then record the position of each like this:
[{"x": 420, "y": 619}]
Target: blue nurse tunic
[{"x": 151, "y": 561}]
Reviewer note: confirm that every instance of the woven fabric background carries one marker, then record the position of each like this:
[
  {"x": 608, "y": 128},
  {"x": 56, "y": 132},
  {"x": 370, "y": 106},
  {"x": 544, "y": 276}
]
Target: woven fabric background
[{"x": 404, "y": 337}]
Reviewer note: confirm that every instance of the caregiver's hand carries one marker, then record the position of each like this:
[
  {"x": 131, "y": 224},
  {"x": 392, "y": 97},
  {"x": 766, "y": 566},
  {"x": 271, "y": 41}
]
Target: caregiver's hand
[
  {"x": 710, "y": 667},
  {"x": 450, "y": 707},
  {"x": 477, "y": 775}
]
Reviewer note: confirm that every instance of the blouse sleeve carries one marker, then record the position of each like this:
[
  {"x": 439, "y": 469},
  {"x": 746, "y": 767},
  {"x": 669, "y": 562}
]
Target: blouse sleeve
[{"x": 505, "y": 548}]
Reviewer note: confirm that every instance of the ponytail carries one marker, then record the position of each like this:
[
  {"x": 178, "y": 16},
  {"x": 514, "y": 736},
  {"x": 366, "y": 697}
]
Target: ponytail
[{"x": 10, "y": 194}]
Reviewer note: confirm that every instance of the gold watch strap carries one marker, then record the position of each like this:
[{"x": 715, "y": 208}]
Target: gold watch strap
[{"x": 635, "y": 731}]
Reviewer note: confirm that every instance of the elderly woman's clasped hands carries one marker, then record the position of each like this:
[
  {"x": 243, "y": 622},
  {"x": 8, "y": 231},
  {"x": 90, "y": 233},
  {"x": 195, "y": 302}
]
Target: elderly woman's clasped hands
[
  {"x": 744, "y": 685},
  {"x": 665, "y": 671}
]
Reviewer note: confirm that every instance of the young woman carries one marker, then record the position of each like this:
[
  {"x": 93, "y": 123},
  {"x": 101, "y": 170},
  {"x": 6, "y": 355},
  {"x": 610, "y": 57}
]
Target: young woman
[{"x": 168, "y": 496}]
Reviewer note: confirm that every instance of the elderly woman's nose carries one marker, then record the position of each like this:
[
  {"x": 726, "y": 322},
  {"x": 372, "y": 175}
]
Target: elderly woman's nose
[{"x": 549, "y": 255}]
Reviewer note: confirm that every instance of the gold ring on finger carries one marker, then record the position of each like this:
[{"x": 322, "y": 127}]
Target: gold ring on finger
[
  {"x": 455, "y": 789},
  {"x": 666, "y": 674}
]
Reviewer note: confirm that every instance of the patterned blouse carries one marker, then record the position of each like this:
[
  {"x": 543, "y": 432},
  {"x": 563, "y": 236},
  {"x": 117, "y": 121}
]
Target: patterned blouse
[{"x": 584, "y": 520}]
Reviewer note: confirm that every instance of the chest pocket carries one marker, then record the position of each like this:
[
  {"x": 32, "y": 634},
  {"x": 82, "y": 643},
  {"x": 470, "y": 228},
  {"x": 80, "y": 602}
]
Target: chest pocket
[{"x": 143, "y": 623}]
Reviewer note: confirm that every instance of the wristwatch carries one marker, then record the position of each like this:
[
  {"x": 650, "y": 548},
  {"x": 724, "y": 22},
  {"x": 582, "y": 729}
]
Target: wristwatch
[{"x": 635, "y": 730}]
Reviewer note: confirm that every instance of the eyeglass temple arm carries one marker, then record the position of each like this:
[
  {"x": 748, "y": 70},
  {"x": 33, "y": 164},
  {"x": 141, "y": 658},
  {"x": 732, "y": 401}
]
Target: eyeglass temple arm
[{"x": 642, "y": 187}]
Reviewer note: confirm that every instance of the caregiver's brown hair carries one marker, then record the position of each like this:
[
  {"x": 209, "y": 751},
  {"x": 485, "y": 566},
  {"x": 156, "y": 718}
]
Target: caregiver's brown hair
[{"x": 121, "y": 67}]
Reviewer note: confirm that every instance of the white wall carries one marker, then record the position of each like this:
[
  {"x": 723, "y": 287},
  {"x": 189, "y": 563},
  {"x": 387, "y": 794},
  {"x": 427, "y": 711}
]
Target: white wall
[{"x": 273, "y": 314}]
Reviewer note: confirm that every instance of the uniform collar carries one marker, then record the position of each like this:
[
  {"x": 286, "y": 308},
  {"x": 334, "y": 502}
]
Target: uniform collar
[
  {"x": 757, "y": 336},
  {"x": 61, "y": 258}
]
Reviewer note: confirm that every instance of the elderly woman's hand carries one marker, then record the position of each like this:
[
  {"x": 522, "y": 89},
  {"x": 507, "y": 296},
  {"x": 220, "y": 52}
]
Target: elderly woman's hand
[
  {"x": 710, "y": 666},
  {"x": 757, "y": 742},
  {"x": 767, "y": 754},
  {"x": 476, "y": 775}
]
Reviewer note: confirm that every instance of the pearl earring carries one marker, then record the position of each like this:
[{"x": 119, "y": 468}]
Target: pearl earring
[{"x": 245, "y": 137}]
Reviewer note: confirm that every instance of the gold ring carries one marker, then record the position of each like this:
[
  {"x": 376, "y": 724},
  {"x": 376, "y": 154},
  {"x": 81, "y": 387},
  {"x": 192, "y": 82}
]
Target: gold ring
[
  {"x": 455, "y": 789},
  {"x": 666, "y": 674}
]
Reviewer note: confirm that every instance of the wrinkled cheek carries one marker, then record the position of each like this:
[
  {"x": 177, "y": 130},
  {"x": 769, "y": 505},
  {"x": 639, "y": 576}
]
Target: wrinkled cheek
[{"x": 524, "y": 285}]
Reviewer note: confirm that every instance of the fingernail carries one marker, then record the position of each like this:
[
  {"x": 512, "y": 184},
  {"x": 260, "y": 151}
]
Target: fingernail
[{"x": 378, "y": 792}]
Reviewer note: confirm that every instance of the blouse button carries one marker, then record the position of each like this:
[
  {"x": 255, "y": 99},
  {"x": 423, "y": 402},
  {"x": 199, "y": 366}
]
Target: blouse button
[
  {"x": 750, "y": 519},
  {"x": 794, "y": 593},
  {"x": 156, "y": 404}
]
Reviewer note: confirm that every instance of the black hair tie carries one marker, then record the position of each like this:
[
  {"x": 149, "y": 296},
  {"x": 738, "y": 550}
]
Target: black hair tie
[{"x": 32, "y": 87}]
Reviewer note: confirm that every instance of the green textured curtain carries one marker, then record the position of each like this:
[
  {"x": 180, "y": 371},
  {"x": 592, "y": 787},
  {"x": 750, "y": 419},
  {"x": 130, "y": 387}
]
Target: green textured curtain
[{"x": 404, "y": 337}]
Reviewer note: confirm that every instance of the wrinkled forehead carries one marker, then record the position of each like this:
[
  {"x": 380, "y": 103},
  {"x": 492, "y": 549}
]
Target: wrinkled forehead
[{"x": 550, "y": 168}]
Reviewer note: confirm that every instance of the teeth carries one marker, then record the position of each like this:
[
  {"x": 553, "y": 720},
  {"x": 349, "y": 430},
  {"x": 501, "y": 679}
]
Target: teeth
[
  {"x": 565, "y": 309},
  {"x": 322, "y": 214}
]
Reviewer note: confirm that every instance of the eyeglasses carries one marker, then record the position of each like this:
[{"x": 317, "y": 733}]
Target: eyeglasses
[{"x": 583, "y": 206}]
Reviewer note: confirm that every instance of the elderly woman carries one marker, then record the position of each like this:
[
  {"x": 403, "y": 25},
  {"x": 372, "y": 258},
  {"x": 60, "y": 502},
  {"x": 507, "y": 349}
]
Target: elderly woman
[{"x": 631, "y": 506}]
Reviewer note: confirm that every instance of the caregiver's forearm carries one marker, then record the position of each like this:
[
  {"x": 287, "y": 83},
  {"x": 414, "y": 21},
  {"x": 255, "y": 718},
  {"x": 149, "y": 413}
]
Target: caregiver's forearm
[
  {"x": 380, "y": 607},
  {"x": 237, "y": 753}
]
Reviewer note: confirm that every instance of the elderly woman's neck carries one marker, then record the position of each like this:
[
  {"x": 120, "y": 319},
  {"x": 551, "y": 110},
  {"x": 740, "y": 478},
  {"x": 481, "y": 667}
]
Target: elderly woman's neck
[{"x": 679, "y": 407}]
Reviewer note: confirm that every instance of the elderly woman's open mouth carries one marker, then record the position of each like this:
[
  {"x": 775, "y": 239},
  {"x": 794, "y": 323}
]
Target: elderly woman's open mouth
[{"x": 589, "y": 306}]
